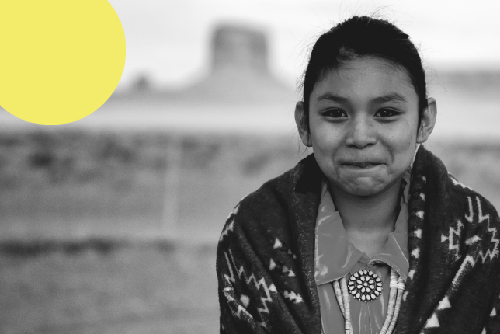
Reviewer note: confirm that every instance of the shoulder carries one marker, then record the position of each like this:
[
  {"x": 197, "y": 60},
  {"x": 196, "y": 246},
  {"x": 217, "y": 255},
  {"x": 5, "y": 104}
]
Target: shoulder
[
  {"x": 258, "y": 262},
  {"x": 480, "y": 220},
  {"x": 269, "y": 209},
  {"x": 480, "y": 216},
  {"x": 268, "y": 205},
  {"x": 446, "y": 192},
  {"x": 477, "y": 207},
  {"x": 455, "y": 209},
  {"x": 272, "y": 196}
]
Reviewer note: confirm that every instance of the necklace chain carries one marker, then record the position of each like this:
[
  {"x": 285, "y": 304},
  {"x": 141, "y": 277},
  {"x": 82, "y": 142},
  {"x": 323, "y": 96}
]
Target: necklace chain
[{"x": 395, "y": 296}]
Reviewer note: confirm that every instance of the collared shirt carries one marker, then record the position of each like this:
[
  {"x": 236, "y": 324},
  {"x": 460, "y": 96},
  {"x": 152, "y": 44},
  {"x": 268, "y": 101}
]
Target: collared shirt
[{"x": 336, "y": 256}]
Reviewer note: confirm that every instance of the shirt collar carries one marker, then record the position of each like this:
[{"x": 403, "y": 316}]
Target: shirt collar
[{"x": 335, "y": 255}]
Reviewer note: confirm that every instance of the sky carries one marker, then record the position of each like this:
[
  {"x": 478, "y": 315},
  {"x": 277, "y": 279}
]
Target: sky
[{"x": 168, "y": 40}]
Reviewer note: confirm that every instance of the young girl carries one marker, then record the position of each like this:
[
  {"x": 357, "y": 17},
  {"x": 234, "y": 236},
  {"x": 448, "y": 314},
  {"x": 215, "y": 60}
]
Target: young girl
[{"x": 369, "y": 234}]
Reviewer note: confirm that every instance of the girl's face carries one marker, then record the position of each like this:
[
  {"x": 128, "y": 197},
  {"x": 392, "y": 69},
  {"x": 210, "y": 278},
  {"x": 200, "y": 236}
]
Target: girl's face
[{"x": 363, "y": 120}]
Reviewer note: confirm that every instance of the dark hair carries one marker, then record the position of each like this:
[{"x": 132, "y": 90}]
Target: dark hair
[{"x": 364, "y": 36}]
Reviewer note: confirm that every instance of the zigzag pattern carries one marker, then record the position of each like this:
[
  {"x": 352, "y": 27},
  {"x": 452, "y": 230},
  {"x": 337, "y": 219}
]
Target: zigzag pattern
[
  {"x": 242, "y": 275},
  {"x": 490, "y": 253},
  {"x": 228, "y": 293}
]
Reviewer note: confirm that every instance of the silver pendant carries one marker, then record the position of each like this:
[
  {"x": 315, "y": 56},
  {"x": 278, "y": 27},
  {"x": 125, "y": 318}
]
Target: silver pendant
[{"x": 365, "y": 285}]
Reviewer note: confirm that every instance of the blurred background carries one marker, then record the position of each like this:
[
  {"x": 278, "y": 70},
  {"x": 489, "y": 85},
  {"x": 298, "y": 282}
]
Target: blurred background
[{"x": 109, "y": 224}]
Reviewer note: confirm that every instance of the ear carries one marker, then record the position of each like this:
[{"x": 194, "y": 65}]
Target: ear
[
  {"x": 428, "y": 121},
  {"x": 300, "y": 120}
]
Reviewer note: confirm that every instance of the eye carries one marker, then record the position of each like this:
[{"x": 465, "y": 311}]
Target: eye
[
  {"x": 386, "y": 113},
  {"x": 334, "y": 113}
]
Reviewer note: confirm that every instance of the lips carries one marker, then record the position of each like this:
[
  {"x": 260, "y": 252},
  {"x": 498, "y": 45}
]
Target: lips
[{"x": 361, "y": 164}]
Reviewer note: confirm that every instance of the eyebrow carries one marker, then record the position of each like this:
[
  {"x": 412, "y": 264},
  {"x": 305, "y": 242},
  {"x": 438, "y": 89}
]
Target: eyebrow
[
  {"x": 331, "y": 97},
  {"x": 389, "y": 98},
  {"x": 380, "y": 99}
]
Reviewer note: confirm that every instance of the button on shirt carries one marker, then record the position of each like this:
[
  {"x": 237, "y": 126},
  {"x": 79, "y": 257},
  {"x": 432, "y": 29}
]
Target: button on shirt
[{"x": 336, "y": 257}]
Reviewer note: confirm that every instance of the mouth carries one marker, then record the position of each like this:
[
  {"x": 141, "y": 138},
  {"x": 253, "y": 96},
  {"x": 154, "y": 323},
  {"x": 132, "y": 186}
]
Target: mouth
[{"x": 361, "y": 165}]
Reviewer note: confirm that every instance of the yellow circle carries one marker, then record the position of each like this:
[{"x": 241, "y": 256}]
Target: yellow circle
[{"x": 60, "y": 60}]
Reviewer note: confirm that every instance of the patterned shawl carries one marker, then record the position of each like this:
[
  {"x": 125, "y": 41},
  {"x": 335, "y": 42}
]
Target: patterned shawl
[{"x": 265, "y": 256}]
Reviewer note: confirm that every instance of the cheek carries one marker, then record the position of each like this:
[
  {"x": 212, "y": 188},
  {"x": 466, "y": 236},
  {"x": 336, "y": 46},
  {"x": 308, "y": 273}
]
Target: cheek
[
  {"x": 325, "y": 139},
  {"x": 402, "y": 141}
]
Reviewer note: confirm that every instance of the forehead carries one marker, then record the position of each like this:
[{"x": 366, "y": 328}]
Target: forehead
[{"x": 366, "y": 78}]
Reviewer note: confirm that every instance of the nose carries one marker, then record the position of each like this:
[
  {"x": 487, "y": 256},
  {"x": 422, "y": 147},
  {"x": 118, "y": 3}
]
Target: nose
[{"x": 361, "y": 133}]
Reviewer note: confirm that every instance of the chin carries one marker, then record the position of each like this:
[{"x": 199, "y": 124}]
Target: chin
[{"x": 364, "y": 190}]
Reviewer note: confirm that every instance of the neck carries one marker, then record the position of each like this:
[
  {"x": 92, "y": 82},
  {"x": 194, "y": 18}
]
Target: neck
[
  {"x": 368, "y": 220},
  {"x": 368, "y": 213}
]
